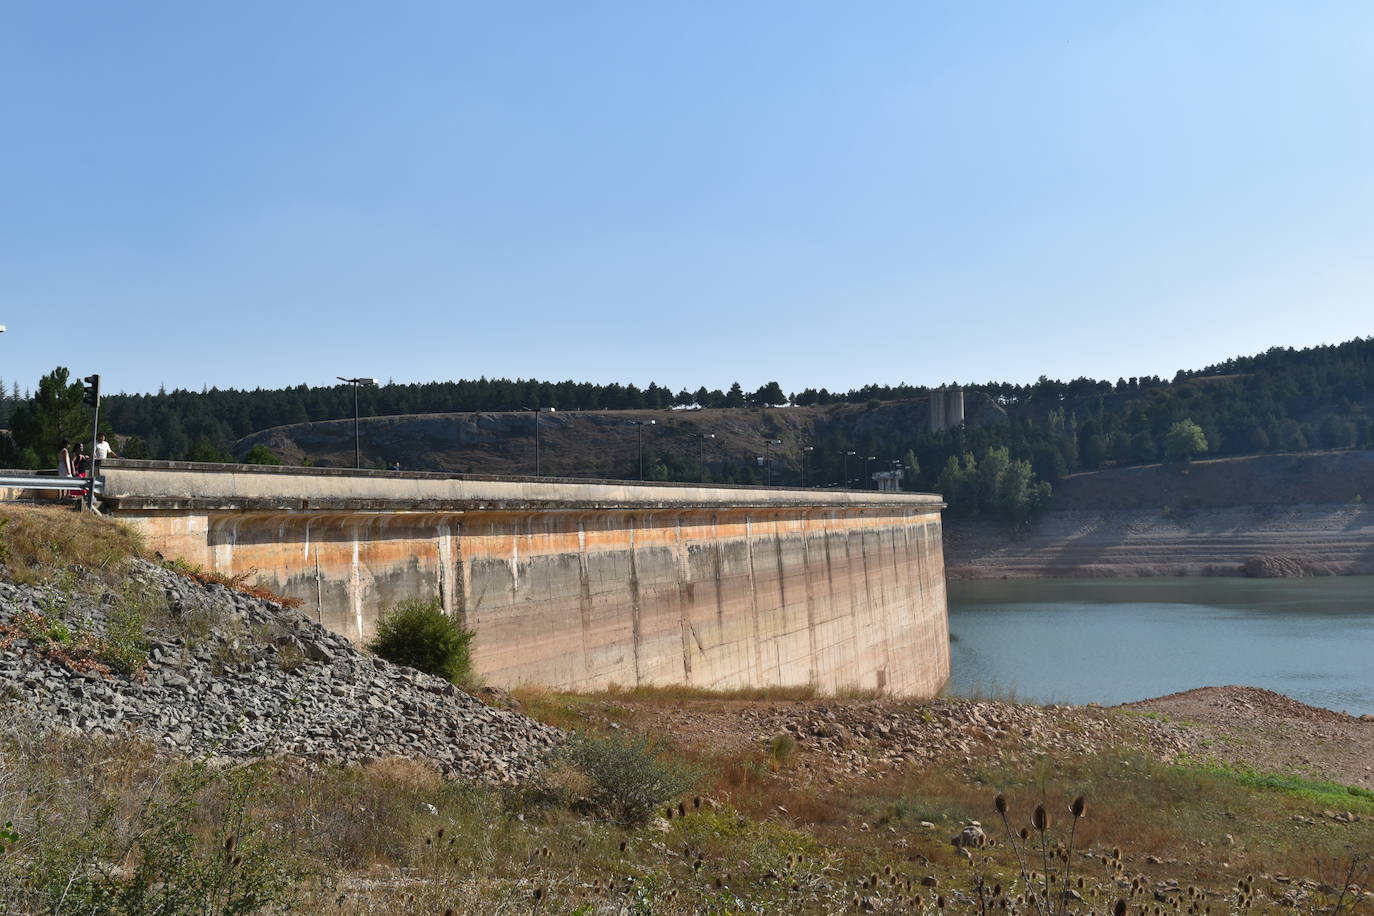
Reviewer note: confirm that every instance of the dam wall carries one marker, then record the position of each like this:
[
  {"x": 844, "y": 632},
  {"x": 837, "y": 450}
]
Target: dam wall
[{"x": 579, "y": 585}]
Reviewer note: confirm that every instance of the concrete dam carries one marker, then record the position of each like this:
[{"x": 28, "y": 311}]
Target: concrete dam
[{"x": 577, "y": 584}]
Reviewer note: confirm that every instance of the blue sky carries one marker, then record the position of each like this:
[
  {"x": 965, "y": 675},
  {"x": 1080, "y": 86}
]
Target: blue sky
[{"x": 267, "y": 194}]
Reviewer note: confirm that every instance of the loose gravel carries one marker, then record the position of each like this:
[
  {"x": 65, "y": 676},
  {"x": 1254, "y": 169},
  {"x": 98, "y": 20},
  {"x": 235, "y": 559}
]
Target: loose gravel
[{"x": 232, "y": 677}]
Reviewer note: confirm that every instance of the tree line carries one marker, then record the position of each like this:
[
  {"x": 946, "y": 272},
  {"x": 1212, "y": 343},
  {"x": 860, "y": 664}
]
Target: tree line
[{"x": 1282, "y": 400}]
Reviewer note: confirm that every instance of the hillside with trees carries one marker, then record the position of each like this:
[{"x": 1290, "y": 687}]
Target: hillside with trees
[{"x": 1017, "y": 439}]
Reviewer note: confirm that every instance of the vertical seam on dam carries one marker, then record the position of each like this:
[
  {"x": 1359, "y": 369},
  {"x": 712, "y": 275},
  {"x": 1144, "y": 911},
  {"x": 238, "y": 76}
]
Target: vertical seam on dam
[
  {"x": 754, "y": 601},
  {"x": 814, "y": 663},
  {"x": 319, "y": 588},
  {"x": 636, "y": 632},
  {"x": 461, "y": 581},
  {"x": 584, "y": 598},
  {"x": 356, "y": 589},
  {"x": 684, "y": 605},
  {"x": 445, "y": 569},
  {"x": 782, "y": 600}
]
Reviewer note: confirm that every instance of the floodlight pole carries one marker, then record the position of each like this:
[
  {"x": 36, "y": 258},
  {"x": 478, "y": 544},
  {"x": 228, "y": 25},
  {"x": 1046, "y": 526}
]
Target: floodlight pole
[
  {"x": 639, "y": 425},
  {"x": 702, "y": 454},
  {"x": 357, "y": 436}
]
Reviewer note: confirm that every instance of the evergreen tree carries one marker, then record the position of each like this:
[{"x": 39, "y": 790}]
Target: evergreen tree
[
  {"x": 768, "y": 395},
  {"x": 56, "y": 416}
]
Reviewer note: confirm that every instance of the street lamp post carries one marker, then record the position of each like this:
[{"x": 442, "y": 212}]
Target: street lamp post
[
  {"x": 866, "y": 477},
  {"x": 535, "y": 411},
  {"x": 357, "y": 437},
  {"x": 845, "y": 485},
  {"x": 806, "y": 465},
  {"x": 702, "y": 453},
  {"x": 640, "y": 424},
  {"x": 768, "y": 458}
]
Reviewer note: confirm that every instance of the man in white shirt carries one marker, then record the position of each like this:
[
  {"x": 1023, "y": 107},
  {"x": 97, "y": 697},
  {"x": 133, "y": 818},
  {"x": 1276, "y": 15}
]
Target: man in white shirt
[{"x": 103, "y": 450}]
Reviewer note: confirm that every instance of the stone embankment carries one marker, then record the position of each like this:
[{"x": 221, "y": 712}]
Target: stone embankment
[{"x": 230, "y": 676}]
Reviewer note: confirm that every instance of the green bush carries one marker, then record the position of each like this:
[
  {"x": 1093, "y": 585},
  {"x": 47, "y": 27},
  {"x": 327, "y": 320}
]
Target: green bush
[
  {"x": 125, "y": 647},
  {"x": 260, "y": 454},
  {"x": 628, "y": 777},
  {"x": 417, "y": 633}
]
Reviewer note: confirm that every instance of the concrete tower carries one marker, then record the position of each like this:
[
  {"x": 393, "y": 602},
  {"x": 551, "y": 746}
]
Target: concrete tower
[{"x": 946, "y": 408}]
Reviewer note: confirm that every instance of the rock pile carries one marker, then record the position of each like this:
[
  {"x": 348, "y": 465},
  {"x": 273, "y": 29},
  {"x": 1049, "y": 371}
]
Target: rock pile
[{"x": 232, "y": 676}]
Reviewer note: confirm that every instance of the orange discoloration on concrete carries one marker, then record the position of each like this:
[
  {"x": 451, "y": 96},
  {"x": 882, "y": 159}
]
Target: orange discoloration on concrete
[{"x": 714, "y": 597}]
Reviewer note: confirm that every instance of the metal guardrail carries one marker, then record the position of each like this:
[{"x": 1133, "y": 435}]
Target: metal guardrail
[{"x": 50, "y": 483}]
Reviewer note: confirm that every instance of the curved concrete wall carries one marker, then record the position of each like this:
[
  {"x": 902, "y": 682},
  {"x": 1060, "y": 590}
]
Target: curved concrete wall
[{"x": 576, "y": 587}]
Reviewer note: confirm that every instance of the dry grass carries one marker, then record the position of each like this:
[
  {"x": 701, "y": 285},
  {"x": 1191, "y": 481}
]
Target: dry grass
[
  {"x": 669, "y": 694},
  {"x": 41, "y": 545},
  {"x": 561, "y": 710},
  {"x": 238, "y": 582},
  {"x": 393, "y": 837}
]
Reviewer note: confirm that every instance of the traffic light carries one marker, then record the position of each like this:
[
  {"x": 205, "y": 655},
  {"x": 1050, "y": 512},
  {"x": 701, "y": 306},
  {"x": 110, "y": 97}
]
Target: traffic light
[{"x": 92, "y": 389}]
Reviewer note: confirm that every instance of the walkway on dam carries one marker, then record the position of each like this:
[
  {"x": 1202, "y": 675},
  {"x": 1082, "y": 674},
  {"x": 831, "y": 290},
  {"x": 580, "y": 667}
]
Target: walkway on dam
[{"x": 187, "y": 485}]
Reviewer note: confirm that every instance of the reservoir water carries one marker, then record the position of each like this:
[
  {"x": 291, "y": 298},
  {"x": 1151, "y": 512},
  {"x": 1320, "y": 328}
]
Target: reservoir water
[{"x": 1116, "y": 640}]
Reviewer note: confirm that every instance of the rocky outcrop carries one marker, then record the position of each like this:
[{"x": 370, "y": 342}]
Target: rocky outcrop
[{"x": 220, "y": 674}]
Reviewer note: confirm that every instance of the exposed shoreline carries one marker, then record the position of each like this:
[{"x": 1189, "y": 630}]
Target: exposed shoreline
[{"x": 1254, "y": 540}]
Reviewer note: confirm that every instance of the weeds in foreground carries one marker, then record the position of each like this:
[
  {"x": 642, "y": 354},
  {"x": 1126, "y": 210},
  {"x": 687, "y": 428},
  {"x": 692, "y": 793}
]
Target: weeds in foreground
[
  {"x": 147, "y": 837},
  {"x": 1056, "y": 892},
  {"x": 393, "y": 837},
  {"x": 623, "y": 778}
]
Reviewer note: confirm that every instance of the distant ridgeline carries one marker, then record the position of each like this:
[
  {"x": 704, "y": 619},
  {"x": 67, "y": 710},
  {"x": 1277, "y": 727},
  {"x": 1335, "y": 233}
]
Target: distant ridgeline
[{"x": 1281, "y": 400}]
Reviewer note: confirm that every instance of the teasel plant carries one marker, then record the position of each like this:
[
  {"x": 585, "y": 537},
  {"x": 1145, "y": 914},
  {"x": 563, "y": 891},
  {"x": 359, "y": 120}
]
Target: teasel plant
[{"x": 1049, "y": 901}]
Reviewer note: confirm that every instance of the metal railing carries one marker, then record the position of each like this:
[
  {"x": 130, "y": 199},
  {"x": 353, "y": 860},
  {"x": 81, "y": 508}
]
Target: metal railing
[{"x": 36, "y": 482}]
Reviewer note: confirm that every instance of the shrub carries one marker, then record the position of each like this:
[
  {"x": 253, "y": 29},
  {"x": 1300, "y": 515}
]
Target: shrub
[
  {"x": 781, "y": 750},
  {"x": 417, "y": 633},
  {"x": 628, "y": 777},
  {"x": 261, "y": 454},
  {"x": 125, "y": 647}
]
